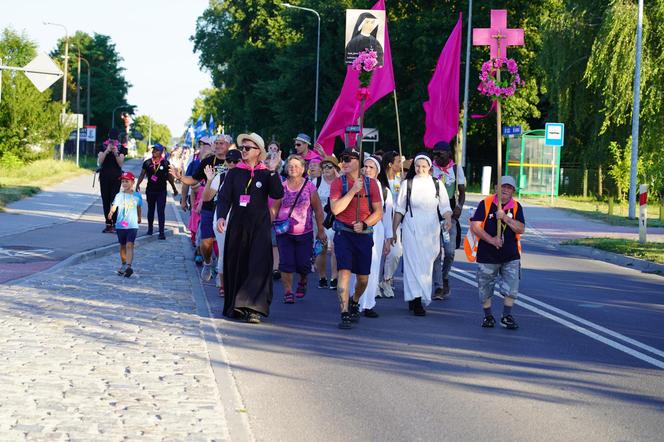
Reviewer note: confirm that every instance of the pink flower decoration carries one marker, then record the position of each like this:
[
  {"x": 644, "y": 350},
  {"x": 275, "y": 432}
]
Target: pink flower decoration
[{"x": 510, "y": 78}]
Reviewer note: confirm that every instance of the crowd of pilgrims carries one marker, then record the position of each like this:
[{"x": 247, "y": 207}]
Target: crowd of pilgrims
[{"x": 258, "y": 216}]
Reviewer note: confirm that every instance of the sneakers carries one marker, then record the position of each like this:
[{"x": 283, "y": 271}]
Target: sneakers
[
  {"x": 322, "y": 283},
  {"x": 107, "y": 229},
  {"x": 489, "y": 322},
  {"x": 508, "y": 322},
  {"x": 276, "y": 275},
  {"x": 149, "y": 232},
  {"x": 122, "y": 269},
  {"x": 253, "y": 318},
  {"x": 370, "y": 313},
  {"x": 333, "y": 284},
  {"x": 345, "y": 323},
  {"x": 438, "y": 294},
  {"x": 386, "y": 286},
  {"x": 198, "y": 259},
  {"x": 129, "y": 271},
  {"x": 162, "y": 236},
  {"x": 354, "y": 311},
  {"x": 418, "y": 309},
  {"x": 206, "y": 272},
  {"x": 443, "y": 292},
  {"x": 289, "y": 298}
]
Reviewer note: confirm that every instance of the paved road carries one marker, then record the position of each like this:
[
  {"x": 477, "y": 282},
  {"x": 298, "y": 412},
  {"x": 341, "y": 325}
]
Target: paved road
[{"x": 586, "y": 364}]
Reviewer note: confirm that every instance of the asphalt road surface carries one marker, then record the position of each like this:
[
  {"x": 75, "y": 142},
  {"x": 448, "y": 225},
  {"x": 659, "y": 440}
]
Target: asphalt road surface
[{"x": 586, "y": 362}]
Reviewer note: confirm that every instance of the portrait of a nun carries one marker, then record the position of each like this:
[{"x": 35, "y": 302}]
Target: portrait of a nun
[{"x": 364, "y": 37}]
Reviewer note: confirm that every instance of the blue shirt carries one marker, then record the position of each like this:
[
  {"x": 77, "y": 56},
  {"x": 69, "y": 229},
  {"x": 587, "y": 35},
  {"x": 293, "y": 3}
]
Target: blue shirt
[{"x": 127, "y": 204}]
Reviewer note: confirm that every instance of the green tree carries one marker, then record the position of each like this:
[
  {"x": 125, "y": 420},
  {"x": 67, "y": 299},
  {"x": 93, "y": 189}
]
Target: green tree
[
  {"x": 152, "y": 132},
  {"x": 109, "y": 86},
  {"x": 29, "y": 120}
]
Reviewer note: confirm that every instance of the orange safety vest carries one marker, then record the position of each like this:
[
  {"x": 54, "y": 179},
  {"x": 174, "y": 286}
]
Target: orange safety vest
[{"x": 471, "y": 241}]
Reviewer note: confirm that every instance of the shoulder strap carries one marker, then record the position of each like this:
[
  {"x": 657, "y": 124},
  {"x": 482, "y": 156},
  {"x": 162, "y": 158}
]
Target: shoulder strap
[
  {"x": 319, "y": 180},
  {"x": 344, "y": 185},
  {"x": 409, "y": 190},
  {"x": 437, "y": 184},
  {"x": 487, "y": 206},
  {"x": 290, "y": 212}
]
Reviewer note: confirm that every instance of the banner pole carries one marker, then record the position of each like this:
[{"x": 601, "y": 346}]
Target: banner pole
[{"x": 396, "y": 110}]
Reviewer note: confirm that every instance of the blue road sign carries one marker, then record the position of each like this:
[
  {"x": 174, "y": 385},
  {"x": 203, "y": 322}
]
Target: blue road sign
[
  {"x": 511, "y": 131},
  {"x": 554, "y": 134}
]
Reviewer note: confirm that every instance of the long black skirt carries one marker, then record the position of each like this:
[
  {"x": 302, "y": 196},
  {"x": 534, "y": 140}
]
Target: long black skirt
[{"x": 247, "y": 267}]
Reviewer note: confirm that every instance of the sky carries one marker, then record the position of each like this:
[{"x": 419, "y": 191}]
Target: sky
[{"x": 152, "y": 36}]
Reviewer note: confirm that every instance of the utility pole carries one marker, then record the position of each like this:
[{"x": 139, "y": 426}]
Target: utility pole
[
  {"x": 635, "y": 116},
  {"x": 64, "y": 83}
]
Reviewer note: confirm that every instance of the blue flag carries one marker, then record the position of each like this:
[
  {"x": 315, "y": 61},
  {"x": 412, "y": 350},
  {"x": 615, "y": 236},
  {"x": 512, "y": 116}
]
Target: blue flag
[
  {"x": 211, "y": 128},
  {"x": 199, "y": 129},
  {"x": 187, "y": 136}
]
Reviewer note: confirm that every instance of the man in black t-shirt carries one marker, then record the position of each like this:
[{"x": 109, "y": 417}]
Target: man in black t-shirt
[
  {"x": 499, "y": 255},
  {"x": 156, "y": 171},
  {"x": 221, "y": 144}
]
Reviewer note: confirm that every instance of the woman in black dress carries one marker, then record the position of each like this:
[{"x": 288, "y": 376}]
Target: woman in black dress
[
  {"x": 110, "y": 159},
  {"x": 248, "y": 248}
]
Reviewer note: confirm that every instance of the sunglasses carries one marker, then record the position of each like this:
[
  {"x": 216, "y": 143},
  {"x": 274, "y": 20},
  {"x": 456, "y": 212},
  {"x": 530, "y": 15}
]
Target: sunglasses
[
  {"x": 247, "y": 147},
  {"x": 348, "y": 158},
  {"x": 328, "y": 166},
  {"x": 298, "y": 144},
  {"x": 233, "y": 161}
]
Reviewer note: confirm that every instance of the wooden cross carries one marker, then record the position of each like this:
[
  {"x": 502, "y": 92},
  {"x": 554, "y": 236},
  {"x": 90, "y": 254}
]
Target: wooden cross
[{"x": 498, "y": 37}]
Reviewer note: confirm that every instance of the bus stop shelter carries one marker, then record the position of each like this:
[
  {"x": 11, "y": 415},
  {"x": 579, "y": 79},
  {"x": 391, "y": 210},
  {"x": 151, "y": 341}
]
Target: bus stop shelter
[{"x": 533, "y": 165}]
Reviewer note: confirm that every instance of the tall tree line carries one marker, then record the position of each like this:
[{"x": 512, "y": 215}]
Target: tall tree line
[{"x": 578, "y": 63}]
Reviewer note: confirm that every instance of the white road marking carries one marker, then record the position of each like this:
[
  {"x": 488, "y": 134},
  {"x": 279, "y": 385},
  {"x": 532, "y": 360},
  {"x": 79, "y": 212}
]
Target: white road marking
[{"x": 466, "y": 277}]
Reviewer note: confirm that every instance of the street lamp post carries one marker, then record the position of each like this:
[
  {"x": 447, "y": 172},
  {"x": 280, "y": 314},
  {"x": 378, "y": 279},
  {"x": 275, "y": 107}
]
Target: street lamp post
[
  {"x": 64, "y": 83},
  {"x": 87, "y": 91},
  {"x": 288, "y": 5},
  {"x": 635, "y": 116}
]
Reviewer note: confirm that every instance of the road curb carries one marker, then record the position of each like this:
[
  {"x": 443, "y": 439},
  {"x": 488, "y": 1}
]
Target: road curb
[{"x": 615, "y": 258}]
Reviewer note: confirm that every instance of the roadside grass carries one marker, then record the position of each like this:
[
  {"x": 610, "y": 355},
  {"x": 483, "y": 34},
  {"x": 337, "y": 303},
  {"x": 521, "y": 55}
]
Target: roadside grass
[
  {"x": 651, "y": 251},
  {"x": 592, "y": 208},
  {"x": 20, "y": 182}
]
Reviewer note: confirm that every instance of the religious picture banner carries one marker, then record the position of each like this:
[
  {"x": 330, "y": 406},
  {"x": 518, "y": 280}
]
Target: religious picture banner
[{"x": 365, "y": 29}]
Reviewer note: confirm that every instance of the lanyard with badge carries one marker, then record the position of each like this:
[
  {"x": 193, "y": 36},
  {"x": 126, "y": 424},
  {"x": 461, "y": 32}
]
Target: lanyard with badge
[
  {"x": 245, "y": 198},
  {"x": 156, "y": 167}
]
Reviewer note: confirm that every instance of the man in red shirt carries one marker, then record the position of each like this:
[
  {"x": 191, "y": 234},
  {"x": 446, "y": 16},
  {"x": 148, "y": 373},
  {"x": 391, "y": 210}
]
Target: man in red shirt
[{"x": 356, "y": 212}]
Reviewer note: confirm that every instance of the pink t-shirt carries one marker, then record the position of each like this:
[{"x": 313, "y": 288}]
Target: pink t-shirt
[{"x": 301, "y": 218}]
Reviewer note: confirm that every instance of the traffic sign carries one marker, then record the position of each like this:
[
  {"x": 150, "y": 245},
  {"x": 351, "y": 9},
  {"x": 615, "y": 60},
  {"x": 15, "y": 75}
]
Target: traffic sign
[
  {"x": 353, "y": 129},
  {"x": 42, "y": 72},
  {"x": 554, "y": 134},
  {"x": 370, "y": 134},
  {"x": 511, "y": 131}
]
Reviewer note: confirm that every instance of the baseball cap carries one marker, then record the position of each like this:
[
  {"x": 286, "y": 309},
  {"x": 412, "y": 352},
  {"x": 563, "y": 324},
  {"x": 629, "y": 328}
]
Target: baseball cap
[
  {"x": 442, "y": 146},
  {"x": 303, "y": 137},
  {"x": 234, "y": 155},
  {"x": 508, "y": 180},
  {"x": 351, "y": 153},
  {"x": 158, "y": 146},
  {"x": 127, "y": 176}
]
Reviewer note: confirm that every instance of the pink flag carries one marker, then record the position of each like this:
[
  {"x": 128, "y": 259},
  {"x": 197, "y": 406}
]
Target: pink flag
[
  {"x": 346, "y": 109},
  {"x": 442, "y": 109}
]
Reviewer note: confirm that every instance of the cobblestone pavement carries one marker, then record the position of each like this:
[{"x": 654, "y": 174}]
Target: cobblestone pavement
[{"x": 88, "y": 355}]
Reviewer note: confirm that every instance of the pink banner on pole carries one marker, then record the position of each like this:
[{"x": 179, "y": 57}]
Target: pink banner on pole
[
  {"x": 442, "y": 109},
  {"x": 346, "y": 109}
]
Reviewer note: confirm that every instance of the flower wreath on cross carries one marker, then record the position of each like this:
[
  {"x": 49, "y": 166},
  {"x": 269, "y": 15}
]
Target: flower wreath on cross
[{"x": 508, "y": 84}]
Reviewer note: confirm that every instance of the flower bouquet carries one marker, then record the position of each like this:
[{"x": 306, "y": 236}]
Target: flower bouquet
[{"x": 366, "y": 62}]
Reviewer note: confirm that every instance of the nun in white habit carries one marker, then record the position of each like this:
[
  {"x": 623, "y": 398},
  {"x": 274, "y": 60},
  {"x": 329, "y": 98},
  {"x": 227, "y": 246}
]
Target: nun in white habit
[
  {"x": 421, "y": 230},
  {"x": 382, "y": 239}
]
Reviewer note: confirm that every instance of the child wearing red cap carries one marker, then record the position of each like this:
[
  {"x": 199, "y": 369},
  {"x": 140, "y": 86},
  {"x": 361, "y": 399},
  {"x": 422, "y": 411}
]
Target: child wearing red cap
[{"x": 128, "y": 204}]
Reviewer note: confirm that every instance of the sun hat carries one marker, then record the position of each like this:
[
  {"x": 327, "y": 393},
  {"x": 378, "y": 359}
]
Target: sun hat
[
  {"x": 253, "y": 136},
  {"x": 332, "y": 160},
  {"x": 303, "y": 137}
]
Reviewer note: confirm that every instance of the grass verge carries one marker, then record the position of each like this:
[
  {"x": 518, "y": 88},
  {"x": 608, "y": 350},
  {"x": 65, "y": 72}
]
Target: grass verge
[
  {"x": 599, "y": 210},
  {"x": 24, "y": 181},
  {"x": 651, "y": 251}
]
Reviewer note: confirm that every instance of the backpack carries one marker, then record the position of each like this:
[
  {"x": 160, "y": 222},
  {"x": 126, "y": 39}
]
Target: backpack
[
  {"x": 328, "y": 222},
  {"x": 409, "y": 190},
  {"x": 471, "y": 241}
]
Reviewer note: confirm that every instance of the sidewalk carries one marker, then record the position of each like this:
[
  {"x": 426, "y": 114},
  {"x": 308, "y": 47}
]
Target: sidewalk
[{"x": 90, "y": 355}]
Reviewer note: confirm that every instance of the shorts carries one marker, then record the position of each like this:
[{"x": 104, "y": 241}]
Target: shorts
[
  {"x": 295, "y": 253},
  {"x": 126, "y": 235},
  {"x": 207, "y": 221},
  {"x": 502, "y": 277},
  {"x": 353, "y": 251}
]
